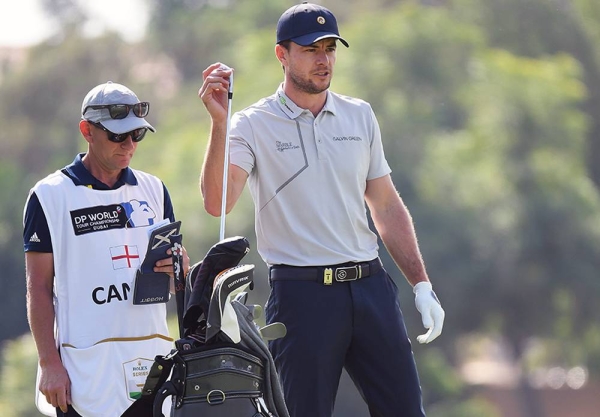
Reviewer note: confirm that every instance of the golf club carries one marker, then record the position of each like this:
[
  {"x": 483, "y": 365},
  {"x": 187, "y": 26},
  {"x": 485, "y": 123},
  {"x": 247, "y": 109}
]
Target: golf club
[{"x": 226, "y": 159}]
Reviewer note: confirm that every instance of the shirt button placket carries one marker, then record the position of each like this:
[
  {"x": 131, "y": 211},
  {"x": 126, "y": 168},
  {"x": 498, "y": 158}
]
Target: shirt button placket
[{"x": 319, "y": 142}]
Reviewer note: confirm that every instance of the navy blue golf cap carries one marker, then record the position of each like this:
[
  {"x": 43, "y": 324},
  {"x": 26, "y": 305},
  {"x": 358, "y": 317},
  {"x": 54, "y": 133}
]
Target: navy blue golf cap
[{"x": 306, "y": 24}]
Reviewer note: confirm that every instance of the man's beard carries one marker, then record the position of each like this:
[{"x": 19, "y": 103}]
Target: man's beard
[{"x": 306, "y": 86}]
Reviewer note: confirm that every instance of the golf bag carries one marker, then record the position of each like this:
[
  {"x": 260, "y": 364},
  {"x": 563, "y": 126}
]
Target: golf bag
[{"x": 221, "y": 366}]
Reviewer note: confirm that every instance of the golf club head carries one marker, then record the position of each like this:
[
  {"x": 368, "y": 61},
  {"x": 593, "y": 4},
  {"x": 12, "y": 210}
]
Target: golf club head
[
  {"x": 256, "y": 311},
  {"x": 273, "y": 331}
]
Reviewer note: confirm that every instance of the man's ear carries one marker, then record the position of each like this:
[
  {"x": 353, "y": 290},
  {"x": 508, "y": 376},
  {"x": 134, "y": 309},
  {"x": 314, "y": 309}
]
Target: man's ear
[
  {"x": 281, "y": 54},
  {"x": 85, "y": 129}
]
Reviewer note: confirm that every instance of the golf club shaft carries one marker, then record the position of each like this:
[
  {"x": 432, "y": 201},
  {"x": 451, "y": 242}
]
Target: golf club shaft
[{"x": 226, "y": 160}]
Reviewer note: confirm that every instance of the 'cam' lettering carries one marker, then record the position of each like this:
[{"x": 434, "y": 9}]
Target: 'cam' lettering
[{"x": 99, "y": 296}]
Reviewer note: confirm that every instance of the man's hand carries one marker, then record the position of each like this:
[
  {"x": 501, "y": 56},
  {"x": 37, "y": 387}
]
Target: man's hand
[
  {"x": 56, "y": 385},
  {"x": 214, "y": 91},
  {"x": 431, "y": 311},
  {"x": 166, "y": 265}
]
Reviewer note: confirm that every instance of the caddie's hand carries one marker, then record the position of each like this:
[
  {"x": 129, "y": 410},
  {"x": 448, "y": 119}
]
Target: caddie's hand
[
  {"x": 214, "y": 91},
  {"x": 55, "y": 385},
  {"x": 166, "y": 265},
  {"x": 431, "y": 311}
]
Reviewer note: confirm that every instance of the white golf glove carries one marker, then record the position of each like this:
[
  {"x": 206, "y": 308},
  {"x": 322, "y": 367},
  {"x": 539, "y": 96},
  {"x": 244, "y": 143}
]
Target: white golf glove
[{"x": 431, "y": 311}]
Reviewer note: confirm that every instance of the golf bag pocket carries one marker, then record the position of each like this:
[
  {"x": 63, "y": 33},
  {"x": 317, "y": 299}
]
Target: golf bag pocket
[{"x": 214, "y": 382}]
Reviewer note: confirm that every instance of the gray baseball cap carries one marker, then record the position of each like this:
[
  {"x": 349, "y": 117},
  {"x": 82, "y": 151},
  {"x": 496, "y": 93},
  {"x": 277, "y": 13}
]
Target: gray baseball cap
[{"x": 113, "y": 93}]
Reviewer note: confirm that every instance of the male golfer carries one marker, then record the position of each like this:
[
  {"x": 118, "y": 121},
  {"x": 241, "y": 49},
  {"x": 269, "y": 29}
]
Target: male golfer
[{"x": 313, "y": 158}]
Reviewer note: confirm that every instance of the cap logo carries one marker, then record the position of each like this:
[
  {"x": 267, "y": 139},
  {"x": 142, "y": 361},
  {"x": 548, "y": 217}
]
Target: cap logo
[{"x": 321, "y": 20}]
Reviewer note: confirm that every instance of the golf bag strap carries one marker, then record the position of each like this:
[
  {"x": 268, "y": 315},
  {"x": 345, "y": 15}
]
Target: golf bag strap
[
  {"x": 158, "y": 375},
  {"x": 166, "y": 390},
  {"x": 177, "y": 256},
  {"x": 159, "y": 372}
]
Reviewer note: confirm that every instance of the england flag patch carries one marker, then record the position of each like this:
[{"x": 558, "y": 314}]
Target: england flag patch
[{"x": 125, "y": 256}]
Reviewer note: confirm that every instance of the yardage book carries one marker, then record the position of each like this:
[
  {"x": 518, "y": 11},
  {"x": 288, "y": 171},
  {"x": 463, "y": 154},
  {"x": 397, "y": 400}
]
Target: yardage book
[{"x": 153, "y": 287}]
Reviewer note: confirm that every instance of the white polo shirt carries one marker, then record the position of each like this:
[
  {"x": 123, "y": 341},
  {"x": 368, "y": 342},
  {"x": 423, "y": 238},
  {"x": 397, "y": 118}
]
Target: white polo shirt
[{"x": 307, "y": 177}]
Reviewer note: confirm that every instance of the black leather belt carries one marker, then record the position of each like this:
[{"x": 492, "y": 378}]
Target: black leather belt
[{"x": 326, "y": 274}]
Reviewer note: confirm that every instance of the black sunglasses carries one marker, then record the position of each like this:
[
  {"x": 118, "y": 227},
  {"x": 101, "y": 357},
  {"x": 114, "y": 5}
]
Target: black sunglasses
[
  {"x": 120, "y": 111},
  {"x": 136, "y": 135}
]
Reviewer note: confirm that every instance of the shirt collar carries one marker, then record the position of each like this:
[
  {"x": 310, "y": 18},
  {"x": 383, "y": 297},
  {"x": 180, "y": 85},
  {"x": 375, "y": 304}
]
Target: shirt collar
[
  {"x": 329, "y": 104},
  {"x": 293, "y": 111},
  {"x": 81, "y": 176}
]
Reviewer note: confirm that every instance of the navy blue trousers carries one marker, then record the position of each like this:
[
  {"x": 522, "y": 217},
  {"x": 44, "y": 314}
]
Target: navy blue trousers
[
  {"x": 70, "y": 413},
  {"x": 355, "y": 325}
]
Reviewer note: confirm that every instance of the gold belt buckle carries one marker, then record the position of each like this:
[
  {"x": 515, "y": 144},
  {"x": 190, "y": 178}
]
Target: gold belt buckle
[{"x": 328, "y": 276}]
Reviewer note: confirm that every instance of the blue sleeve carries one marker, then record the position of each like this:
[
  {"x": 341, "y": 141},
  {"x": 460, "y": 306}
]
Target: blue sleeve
[
  {"x": 169, "y": 214},
  {"x": 36, "y": 235}
]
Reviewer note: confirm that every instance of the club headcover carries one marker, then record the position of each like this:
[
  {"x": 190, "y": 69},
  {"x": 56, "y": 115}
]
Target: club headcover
[
  {"x": 199, "y": 281},
  {"x": 221, "y": 315}
]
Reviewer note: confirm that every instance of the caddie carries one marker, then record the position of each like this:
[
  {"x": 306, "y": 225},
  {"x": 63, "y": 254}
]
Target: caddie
[{"x": 86, "y": 231}]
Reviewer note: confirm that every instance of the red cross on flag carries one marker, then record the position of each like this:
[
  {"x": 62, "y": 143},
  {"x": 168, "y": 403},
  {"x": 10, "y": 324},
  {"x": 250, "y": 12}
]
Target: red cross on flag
[{"x": 125, "y": 257}]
